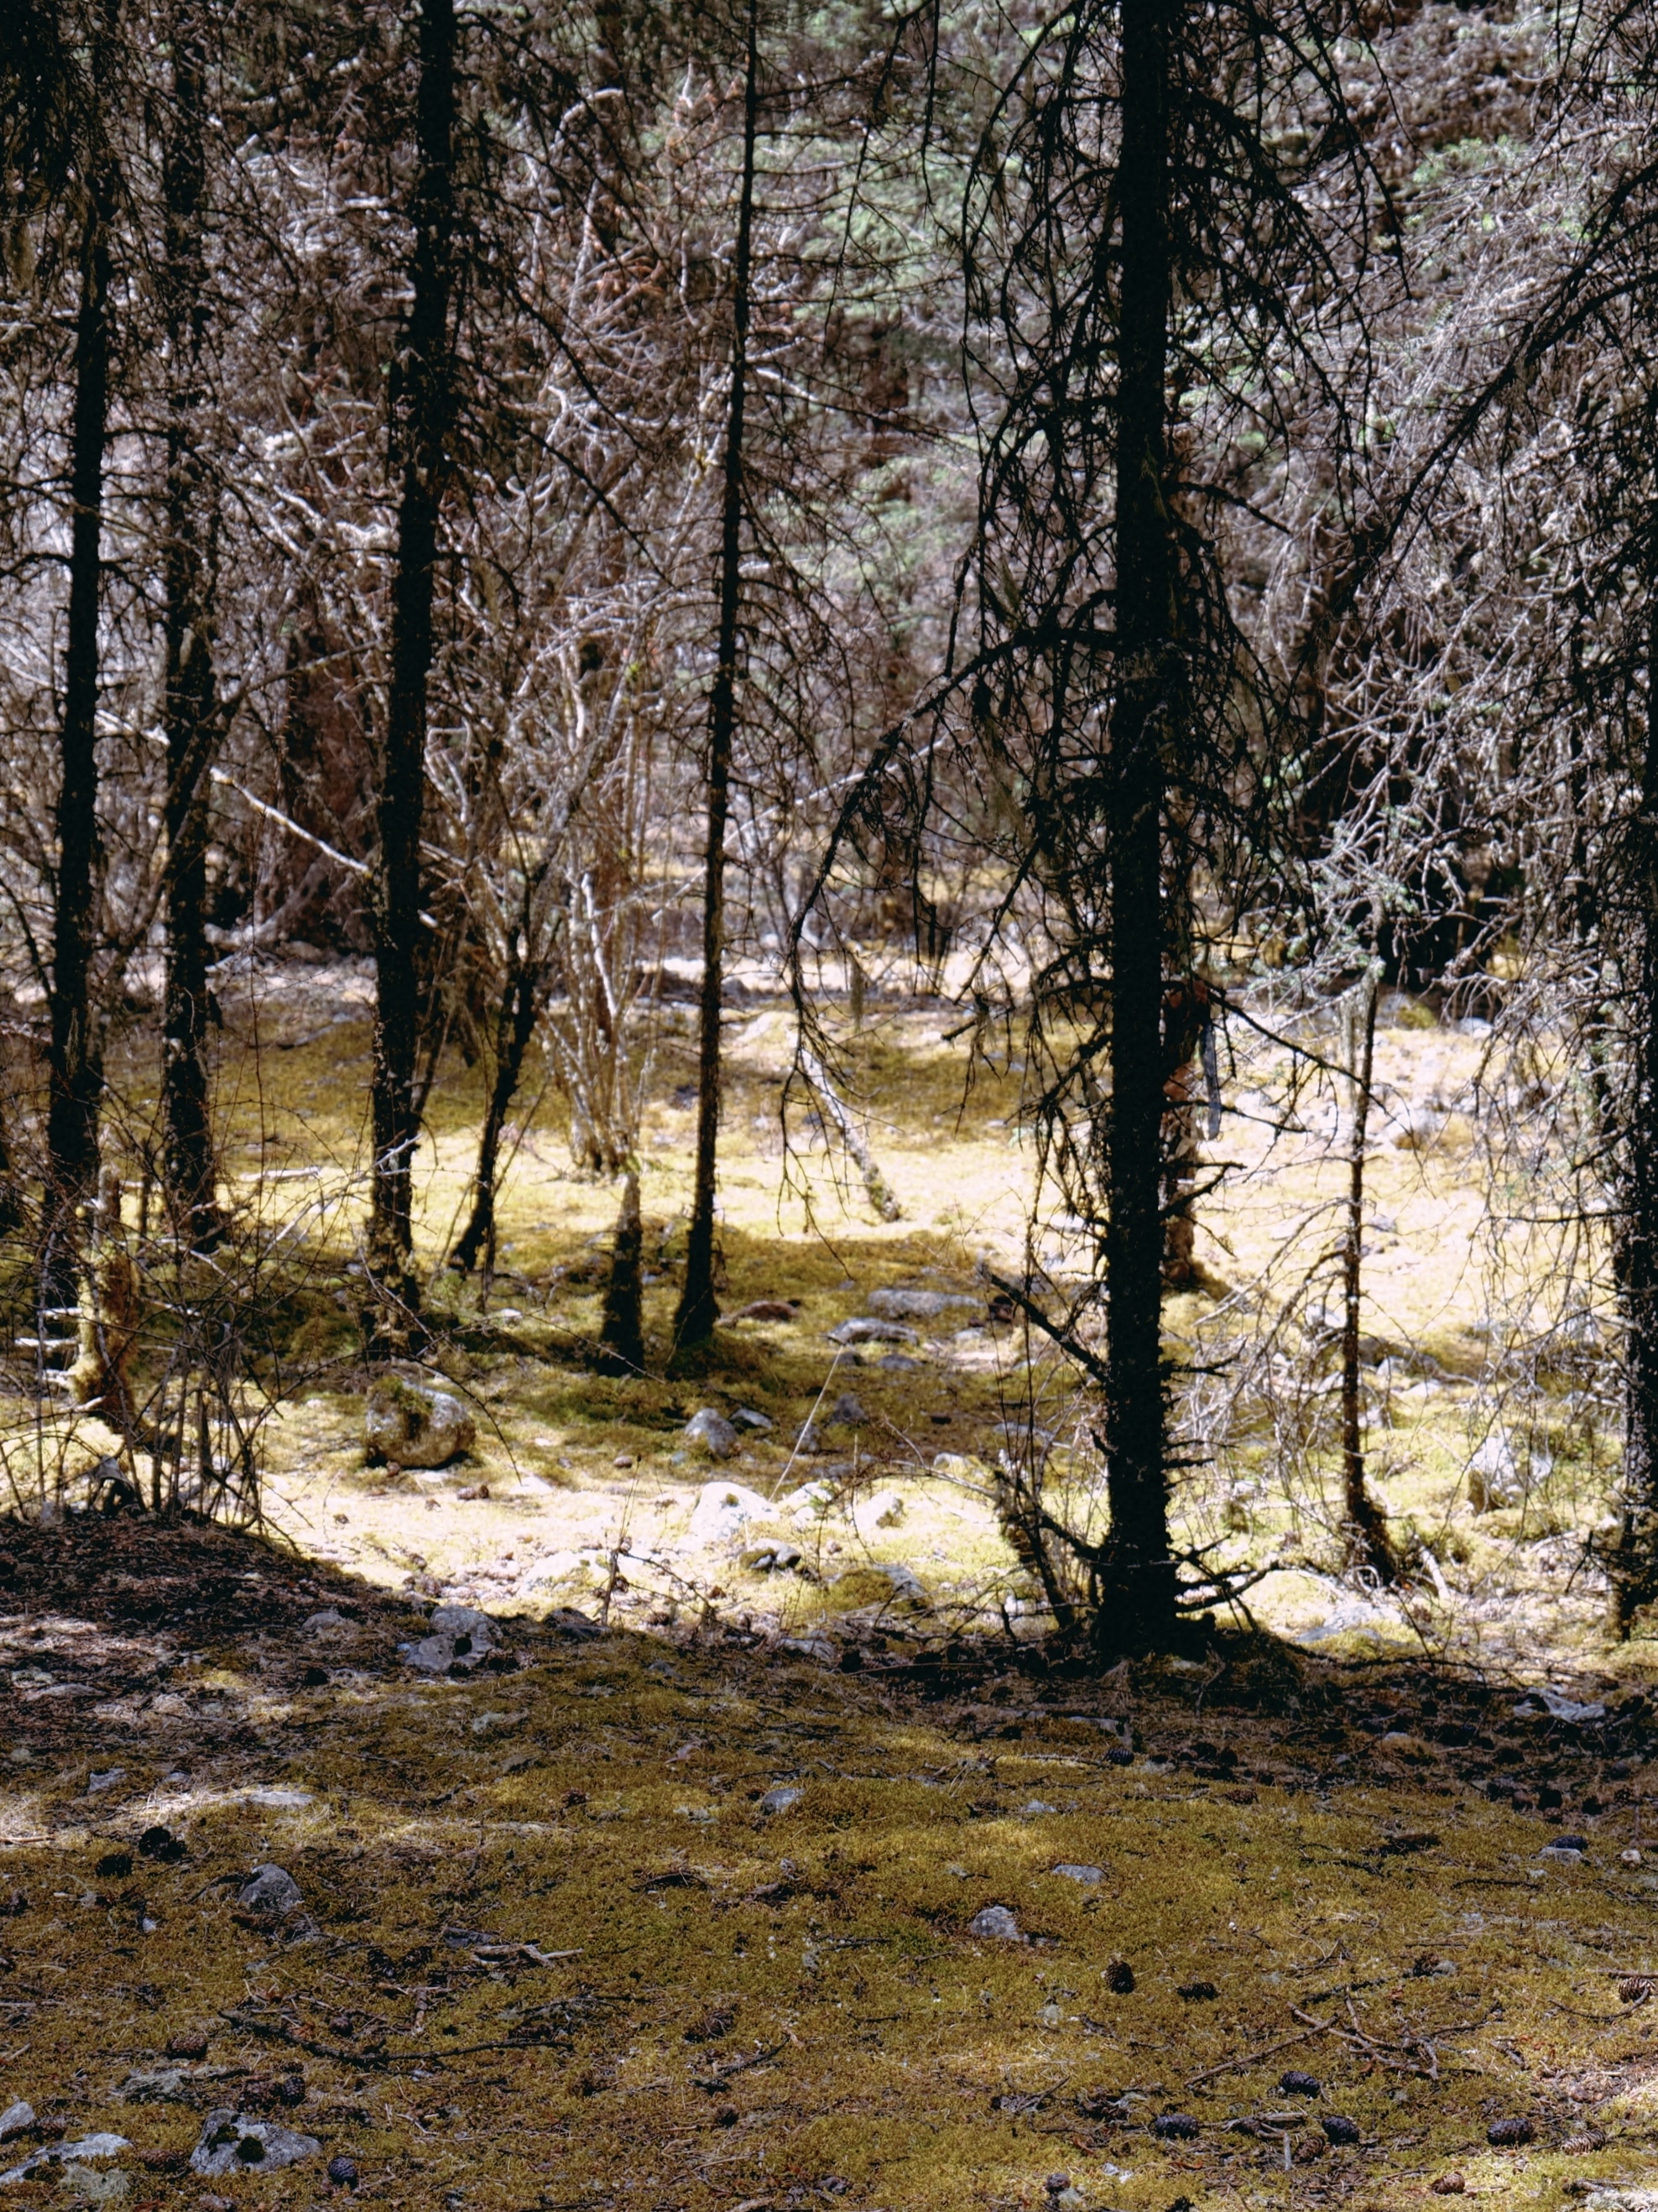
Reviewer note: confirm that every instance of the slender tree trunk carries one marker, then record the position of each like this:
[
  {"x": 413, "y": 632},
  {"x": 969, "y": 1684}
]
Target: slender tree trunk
[
  {"x": 1138, "y": 1582},
  {"x": 75, "y": 1057},
  {"x": 698, "y": 1312},
  {"x": 1367, "y": 1529},
  {"x": 515, "y": 1026},
  {"x": 191, "y": 709},
  {"x": 622, "y": 1334},
  {"x": 422, "y": 419},
  {"x": 1635, "y": 1564}
]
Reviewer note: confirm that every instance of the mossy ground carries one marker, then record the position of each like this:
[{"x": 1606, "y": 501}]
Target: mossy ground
[{"x": 604, "y": 1801}]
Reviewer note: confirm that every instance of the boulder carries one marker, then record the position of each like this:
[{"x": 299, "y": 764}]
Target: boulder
[
  {"x": 723, "y": 1509},
  {"x": 713, "y": 1432},
  {"x": 406, "y": 1425}
]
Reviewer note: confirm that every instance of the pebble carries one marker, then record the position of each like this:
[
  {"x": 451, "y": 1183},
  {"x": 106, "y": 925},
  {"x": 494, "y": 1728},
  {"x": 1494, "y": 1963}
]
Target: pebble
[
  {"x": 746, "y": 1418},
  {"x": 231, "y": 2143},
  {"x": 780, "y": 1799},
  {"x": 898, "y": 1363},
  {"x": 1088, "y": 1876},
  {"x": 1339, "y": 2129},
  {"x": 622, "y": 1460},
  {"x": 996, "y": 1921},
  {"x": 270, "y": 1891},
  {"x": 326, "y": 1624},
  {"x": 709, "y": 1428}
]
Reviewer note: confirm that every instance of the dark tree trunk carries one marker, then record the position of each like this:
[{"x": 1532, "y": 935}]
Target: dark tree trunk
[
  {"x": 697, "y": 1311},
  {"x": 75, "y": 1056},
  {"x": 1138, "y": 1582},
  {"x": 421, "y": 417},
  {"x": 191, "y": 709},
  {"x": 515, "y": 1024},
  {"x": 622, "y": 1334},
  {"x": 1366, "y": 1528},
  {"x": 1635, "y": 1564}
]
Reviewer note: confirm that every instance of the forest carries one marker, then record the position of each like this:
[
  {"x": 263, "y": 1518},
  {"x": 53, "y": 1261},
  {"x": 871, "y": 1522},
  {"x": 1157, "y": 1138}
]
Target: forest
[{"x": 828, "y": 1011}]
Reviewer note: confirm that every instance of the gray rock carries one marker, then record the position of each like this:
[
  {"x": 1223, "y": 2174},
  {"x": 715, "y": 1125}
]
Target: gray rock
[
  {"x": 774, "y": 1559},
  {"x": 1036, "y": 1808},
  {"x": 812, "y": 1646},
  {"x": 899, "y": 1363},
  {"x": 746, "y": 1418},
  {"x": 155, "y": 2085},
  {"x": 780, "y": 1799},
  {"x": 409, "y": 1425},
  {"x": 97, "y": 1781},
  {"x": 861, "y": 1329},
  {"x": 1088, "y": 1876},
  {"x": 231, "y": 2143},
  {"x": 917, "y": 1305},
  {"x": 460, "y": 1636},
  {"x": 996, "y": 1921},
  {"x": 326, "y": 1626},
  {"x": 15, "y": 2118},
  {"x": 271, "y": 1892},
  {"x": 811, "y": 1439},
  {"x": 712, "y": 1432},
  {"x": 847, "y": 1412},
  {"x": 102, "y": 2145},
  {"x": 723, "y": 1509}
]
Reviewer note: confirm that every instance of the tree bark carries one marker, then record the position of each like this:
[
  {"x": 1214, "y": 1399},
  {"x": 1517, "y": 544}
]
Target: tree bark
[
  {"x": 190, "y": 709},
  {"x": 697, "y": 1311},
  {"x": 1634, "y": 1562},
  {"x": 1137, "y": 1584},
  {"x": 1366, "y": 1527},
  {"x": 622, "y": 1334},
  {"x": 75, "y": 1056},
  {"x": 515, "y": 1024},
  {"x": 422, "y": 397}
]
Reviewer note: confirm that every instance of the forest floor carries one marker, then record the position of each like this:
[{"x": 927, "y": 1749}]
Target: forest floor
[{"x": 674, "y": 1898}]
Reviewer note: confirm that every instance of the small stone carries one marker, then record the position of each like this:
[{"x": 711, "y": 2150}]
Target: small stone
[
  {"x": 1034, "y": 1808},
  {"x": 1298, "y": 2084},
  {"x": 1197, "y": 1992},
  {"x": 997, "y": 1922},
  {"x": 710, "y": 1430},
  {"x": 231, "y": 2143},
  {"x": 774, "y": 1558},
  {"x": 780, "y": 1799},
  {"x": 847, "y": 1412},
  {"x": 746, "y": 1418},
  {"x": 622, "y": 1460},
  {"x": 863, "y": 1330},
  {"x": 343, "y": 2172},
  {"x": 327, "y": 1624},
  {"x": 1174, "y": 2127},
  {"x": 460, "y": 1637},
  {"x": 1119, "y": 1978},
  {"x": 811, "y": 1439},
  {"x": 1090, "y": 1876},
  {"x": 916, "y": 1305},
  {"x": 100, "y": 1780},
  {"x": 723, "y": 1509},
  {"x": 898, "y": 1363},
  {"x": 1631, "y": 1858},
  {"x": 405, "y": 1424},
  {"x": 1517, "y": 2130},
  {"x": 271, "y": 1892},
  {"x": 1339, "y": 2129}
]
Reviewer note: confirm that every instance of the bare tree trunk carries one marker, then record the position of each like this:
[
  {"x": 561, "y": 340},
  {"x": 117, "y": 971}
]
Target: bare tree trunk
[
  {"x": 698, "y": 1311},
  {"x": 515, "y": 1026},
  {"x": 191, "y": 710},
  {"x": 1366, "y": 1525},
  {"x": 1138, "y": 1576},
  {"x": 1634, "y": 1562},
  {"x": 622, "y": 1334},
  {"x": 75, "y": 1056},
  {"x": 422, "y": 414}
]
